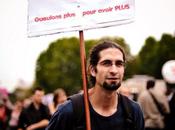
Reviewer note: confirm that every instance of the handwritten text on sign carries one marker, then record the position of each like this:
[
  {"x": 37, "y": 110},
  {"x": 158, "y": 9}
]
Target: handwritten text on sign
[{"x": 52, "y": 16}]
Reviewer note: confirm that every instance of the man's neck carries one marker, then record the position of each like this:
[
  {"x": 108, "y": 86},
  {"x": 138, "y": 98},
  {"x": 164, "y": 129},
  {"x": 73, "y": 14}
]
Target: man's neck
[
  {"x": 36, "y": 105},
  {"x": 104, "y": 102}
]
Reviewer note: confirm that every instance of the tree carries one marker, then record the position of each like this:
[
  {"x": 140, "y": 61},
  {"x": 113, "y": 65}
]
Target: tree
[
  {"x": 165, "y": 52},
  {"x": 59, "y": 66},
  {"x": 147, "y": 57},
  {"x": 154, "y": 54}
]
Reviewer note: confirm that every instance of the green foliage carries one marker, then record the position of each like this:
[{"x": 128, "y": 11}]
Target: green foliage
[
  {"x": 59, "y": 65},
  {"x": 154, "y": 54},
  {"x": 147, "y": 57},
  {"x": 165, "y": 52}
]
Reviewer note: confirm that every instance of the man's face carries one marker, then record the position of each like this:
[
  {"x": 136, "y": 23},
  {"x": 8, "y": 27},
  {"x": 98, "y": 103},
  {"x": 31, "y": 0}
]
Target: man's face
[
  {"x": 110, "y": 69},
  {"x": 38, "y": 95}
]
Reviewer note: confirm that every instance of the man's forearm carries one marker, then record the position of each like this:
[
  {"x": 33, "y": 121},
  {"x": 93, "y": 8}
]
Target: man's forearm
[{"x": 42, "y": 123}]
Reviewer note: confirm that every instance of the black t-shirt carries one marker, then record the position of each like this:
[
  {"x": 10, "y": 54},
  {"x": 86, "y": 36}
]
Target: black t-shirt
[
  {"x": 112, "y": 122},
  {"x": 64, "y": 119},
  {"x": 31, "y": 115}
]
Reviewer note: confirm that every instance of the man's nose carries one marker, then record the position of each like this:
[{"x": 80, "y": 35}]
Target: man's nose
[{"x": 113, "y": 68}]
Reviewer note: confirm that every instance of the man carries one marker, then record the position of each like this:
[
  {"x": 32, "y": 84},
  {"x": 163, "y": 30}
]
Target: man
[
  {"x": 169, "y": 118},
  {"x": 154, "y": 105},
  {"x": 106, "y": 70},
  {"x": 36, "y": 115}
]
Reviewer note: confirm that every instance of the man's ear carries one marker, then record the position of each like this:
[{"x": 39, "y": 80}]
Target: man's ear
[{"x": 92, "y": 70}]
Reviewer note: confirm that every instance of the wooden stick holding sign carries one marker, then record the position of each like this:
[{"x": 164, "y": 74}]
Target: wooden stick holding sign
[{"x": 84, "y": 78}]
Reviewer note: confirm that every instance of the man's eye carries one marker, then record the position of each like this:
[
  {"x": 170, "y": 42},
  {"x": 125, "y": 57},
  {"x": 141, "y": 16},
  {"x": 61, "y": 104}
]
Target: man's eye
[
  {"x": 106, "y": 63},
  {"x": 120, "y": 63}
]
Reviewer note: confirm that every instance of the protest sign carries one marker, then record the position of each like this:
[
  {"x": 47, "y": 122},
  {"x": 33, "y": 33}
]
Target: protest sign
[{"x": 54, "y": 16}]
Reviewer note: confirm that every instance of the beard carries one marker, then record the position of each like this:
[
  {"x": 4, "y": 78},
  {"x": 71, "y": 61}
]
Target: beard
[{"x": 111, "y": 87}]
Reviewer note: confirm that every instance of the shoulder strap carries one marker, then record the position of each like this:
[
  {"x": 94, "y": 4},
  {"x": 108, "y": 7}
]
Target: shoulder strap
[
  {"x": 126, "y": 105},
  {"x": 158, "y": 105},
  {"x": 78, "y": 107}
]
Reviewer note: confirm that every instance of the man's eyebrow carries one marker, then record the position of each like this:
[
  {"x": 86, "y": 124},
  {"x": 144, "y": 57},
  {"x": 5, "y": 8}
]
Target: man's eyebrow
[
  {"x": 113, "y": 60},
  {"x": 108, "y": 60},
  {"x": 120, "y": 61}
]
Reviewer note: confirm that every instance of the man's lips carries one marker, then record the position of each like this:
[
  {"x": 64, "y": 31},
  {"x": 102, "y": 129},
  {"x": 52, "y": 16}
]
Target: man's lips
[{"x": 112, "y": 78}]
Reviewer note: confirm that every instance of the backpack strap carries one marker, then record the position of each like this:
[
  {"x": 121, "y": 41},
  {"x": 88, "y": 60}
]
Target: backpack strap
[
  {"x": 126, "y": 105},
  {"x": 78, "y": 109}
]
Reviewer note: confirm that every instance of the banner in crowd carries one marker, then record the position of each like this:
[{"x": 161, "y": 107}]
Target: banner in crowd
[{"x": 54, "y": 16}]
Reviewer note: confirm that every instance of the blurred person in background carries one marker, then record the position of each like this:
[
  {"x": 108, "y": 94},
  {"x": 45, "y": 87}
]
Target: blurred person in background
[
  {"x": 170, "y": 117},
  {"x": 27, "y": 102},
  {"x": 5, "y": 111},
  {"x": 36, "y": 115},
  {"x": 14, "y": 117},
  {"x": 154, "y": 106},
  {"x": 2, "y": 115},
  {"x": 125, "y": 91},
  {"x": 59, "y": 97}
]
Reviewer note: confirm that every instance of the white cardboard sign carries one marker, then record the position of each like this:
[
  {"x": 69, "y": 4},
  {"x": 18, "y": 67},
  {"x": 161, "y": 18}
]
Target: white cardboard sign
[{"x": 54, "y": 16}]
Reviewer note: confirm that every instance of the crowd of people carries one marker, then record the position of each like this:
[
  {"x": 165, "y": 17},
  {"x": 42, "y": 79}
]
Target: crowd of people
[
  {"x": 31, "y": 113},
  {"x": 149, "y": 111}
]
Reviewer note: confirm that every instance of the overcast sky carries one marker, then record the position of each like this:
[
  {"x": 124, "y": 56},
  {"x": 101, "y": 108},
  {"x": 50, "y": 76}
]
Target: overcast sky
[{"x": 18, "y": 53}]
